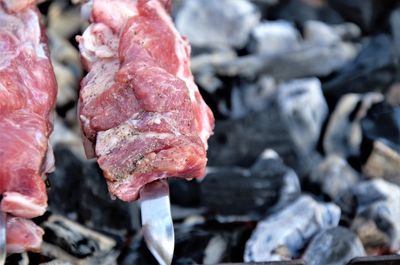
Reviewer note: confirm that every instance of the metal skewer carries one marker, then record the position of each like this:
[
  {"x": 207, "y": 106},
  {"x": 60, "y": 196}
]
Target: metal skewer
[
  {"x": 3, "y": 226},
  {"x": 157, "y": 225}
]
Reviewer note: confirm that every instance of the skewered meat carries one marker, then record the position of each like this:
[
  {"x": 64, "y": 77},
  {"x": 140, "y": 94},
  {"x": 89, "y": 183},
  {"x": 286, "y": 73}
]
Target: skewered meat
[
  {"x": 141, "y": 113},
  {"x": 27, "y": 96}
]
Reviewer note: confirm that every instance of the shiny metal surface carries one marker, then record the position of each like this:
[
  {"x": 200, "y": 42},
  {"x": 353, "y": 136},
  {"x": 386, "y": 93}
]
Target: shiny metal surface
[
  {"x": 157, "y": 225},
  {"x": 3, "y": 225}
]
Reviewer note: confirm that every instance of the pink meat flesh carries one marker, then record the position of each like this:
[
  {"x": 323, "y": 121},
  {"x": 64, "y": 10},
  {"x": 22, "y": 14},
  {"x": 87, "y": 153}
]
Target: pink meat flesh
[
  {"x": 141, "y": 113},
  {"x": 27, "y": 96}
]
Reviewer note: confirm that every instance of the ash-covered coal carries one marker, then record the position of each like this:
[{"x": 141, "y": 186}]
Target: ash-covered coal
[
  {"x": 77, "y": 190},
  {"x": 333, "y": 246},
  {"x": 378, "y": 204},
  {"x": 249, "y": 192},
  {"x": 217, "y": 23},
  {"x": 334, "y": 176},
  {"x": 374, "y": 69},
  {"x": 281, "y": 235},
  {"x": 343, "y": 135}
]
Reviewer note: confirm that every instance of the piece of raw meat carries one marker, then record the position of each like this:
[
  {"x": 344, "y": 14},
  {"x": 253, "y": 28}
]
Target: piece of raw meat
[
  {"x": 27, "y": 96},
  {"x": 141, "y": 113}
]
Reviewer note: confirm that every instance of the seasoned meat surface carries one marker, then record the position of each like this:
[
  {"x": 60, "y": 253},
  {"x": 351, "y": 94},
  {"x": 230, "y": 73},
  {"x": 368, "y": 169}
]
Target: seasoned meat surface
[
  {"x": 141, "y": 113},
  {"x": 27, "y": 96}
]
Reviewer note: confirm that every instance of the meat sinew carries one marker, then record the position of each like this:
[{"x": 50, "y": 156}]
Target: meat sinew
[
  {"x": 27, "y": 96},
  {"x": 141, "y": 113}
]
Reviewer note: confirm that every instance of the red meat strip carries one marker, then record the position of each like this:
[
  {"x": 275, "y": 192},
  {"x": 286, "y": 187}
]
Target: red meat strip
[
  {"x": 27, "y": 96},
  {"x": 141, "y": 113}
]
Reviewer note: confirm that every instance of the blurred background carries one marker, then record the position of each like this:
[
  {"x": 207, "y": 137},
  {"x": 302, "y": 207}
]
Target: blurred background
[{"x": 304, "y": 162}]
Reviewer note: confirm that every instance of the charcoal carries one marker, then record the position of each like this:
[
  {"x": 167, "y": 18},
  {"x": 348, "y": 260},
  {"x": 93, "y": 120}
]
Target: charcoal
[
  {"x": 78, "y": 190},
  {"x": 378, "y": 201},
  {"x": 249, "y": 97},
  {"x": 65, "y": 58},
  {"x": 64, "y": 136},
  {"x": 282, "y": 126},
  {"x": 137, "y": 253},
  {"x": 71, "y": 242},
  {"x": 318, "y": 32},
  {"x": 302, "y": 11},
  {"x": 383, "y": 162},
  {"x": 208, "y": 59},
  {"x": 67, "y": 69},
  {"x": 220, "y": 23},
  {"x": 61, "y": 14},
  {"x": 395, "y": 28},
  {"x": 302, "y": 60},
  {"x": 98, "y": 209},
  {"x": 383, "y": 122},
  {"x": 334, "y": 175},
  {"x": 368, "y": 14},
  {"x": 240, "y": 141},
  {"x": 17, "y": 259},
  {"x": 374, "y": 69},
  {"x": 189, "y": 215},
  {"x": 283, "y": 234},
  {"x": 392, "y": 95},
  {"x": 348, "y": 206},
  {"x": 304, "y": 108},
  {"x": 65, "y": 182},
  {"x": 207, "y": 80},
  {"x": 272, "y": 37},
  {"x": 375, "y": 241},
  {"x": 343, "y": 135},
  {"x": 333, "y": 246},
  {"x": 56, "y": 262},
  {"x": 190, "y": 243},
  {"x": 184, "y": 193},
  {"x": 238, "y": 191}
]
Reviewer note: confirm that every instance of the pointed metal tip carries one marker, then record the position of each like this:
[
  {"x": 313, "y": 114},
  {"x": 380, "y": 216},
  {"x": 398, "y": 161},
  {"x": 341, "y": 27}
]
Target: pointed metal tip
[
  {"x": 161, "y": 246},
  {"x": 157, "y": 225}
]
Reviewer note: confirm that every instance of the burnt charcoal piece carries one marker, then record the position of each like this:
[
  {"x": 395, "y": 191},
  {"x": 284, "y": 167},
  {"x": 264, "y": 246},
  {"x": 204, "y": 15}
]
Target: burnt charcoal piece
[
  {"x": 98, "y": 209},
  {"x": 383, "y": 162},
  {"x": 247, "y": 97},
  {"x": 302, "y": 60},
  {"x": 374, "y": 240},
  {"x": 378, "y": 201},
  {"x": 333, "y": 246},
  {"x": 395, "y": 28},
  {"x": 290, "y": 124},
  {"x": 283, "y": 234},
  {"x": 184, "y": 193},
  {"x": 249, "y": 192},
  {"x": 348, "y": 206},
  {"x": 368, "y": 14},
  {"x": 343, "y": 134},
  {"x": 240, "y": 141},
  {"x": 334, "y": 175},
  {"x": 373, "y": 69},
  {"x": 304, "y": 109},
  {"x": 383, "y": 122},
  {"x": 78, "y": 190},
  {"x": 137, "y": 253},
  {"x": 302, "y": 11},
  {"x": 76, "y": 244},
  {"x": 220, "y": 23},
  {"x": 65, "y": 182},
  {"x": 392, "y": 95}
]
